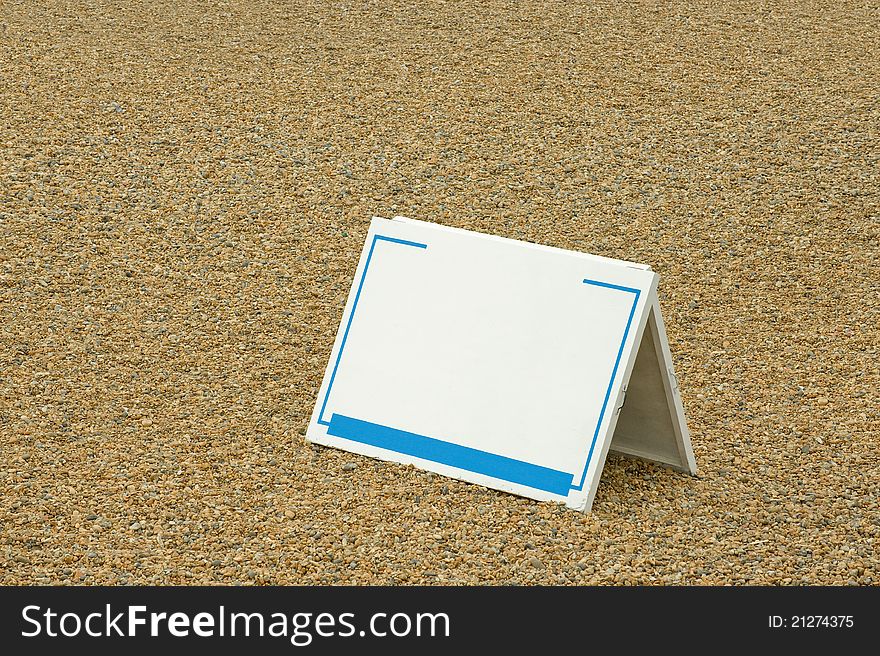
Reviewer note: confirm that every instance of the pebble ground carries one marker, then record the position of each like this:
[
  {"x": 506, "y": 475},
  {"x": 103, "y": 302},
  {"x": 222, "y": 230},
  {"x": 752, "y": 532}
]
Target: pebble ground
[{"x": 185, "y": 188}]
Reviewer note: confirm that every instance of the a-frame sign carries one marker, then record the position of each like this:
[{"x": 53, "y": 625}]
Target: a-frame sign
[{"x": 500, "y": 362}]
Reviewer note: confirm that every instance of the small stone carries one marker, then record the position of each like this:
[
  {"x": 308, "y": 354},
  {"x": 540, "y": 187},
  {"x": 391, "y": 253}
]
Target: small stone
[
  {"x": 821, "y": 401},
  {"x": 91, "y": 517},
  {"x": 536, "y": 563},
  {"x": 146, "y": 421},
  {"x": 349, "y": 466}
]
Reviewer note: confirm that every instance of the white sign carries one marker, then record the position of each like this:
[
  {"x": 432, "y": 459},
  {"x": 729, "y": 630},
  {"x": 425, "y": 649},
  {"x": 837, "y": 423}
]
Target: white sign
[{"x": 500, "y": 362}]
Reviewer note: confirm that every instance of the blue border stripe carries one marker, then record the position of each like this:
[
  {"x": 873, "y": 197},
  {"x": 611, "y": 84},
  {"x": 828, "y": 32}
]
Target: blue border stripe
[
  {"x": 608, "y": 285},
  {"x": 454, "y": 455},
  {"x": 632, "y": 312},
  {"x": 357, "y": 297},
  {"x": 395, "y": 240}
]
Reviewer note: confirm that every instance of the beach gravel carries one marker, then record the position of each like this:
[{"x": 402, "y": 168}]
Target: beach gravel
[{"x": 185, "y": 188}]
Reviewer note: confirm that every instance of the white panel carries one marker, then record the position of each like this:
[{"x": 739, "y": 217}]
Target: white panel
[{"x": 483, "y": 358}]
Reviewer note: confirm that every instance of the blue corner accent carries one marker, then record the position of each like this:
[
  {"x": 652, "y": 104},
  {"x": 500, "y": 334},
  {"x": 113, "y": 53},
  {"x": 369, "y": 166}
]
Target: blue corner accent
[
  {"x": 454, "y": 455},
  {"x": 608, "y": 285},
  {"x": 393, "y": 240},
  {"x": 632, "y": 312}
]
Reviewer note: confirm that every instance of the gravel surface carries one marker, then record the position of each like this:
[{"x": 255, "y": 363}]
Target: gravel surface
[{"x": 184, "y": 191}]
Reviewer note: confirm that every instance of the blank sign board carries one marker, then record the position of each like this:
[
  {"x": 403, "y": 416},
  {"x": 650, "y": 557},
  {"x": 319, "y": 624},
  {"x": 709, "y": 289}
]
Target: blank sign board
[{"x": 500, "y": 362}]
